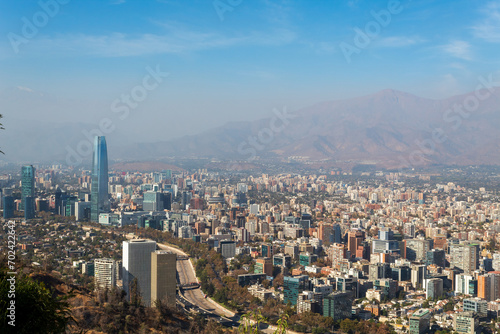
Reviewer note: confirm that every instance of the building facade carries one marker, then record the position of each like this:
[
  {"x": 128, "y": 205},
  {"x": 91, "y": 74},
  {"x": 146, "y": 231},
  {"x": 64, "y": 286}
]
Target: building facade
[
  {"x": 137, "y": 265},
  {"x": 27, "y": 186},
  {"x": 163, "y": 277},
  {"x": 338, "y": 305},
  {"x": 104, "y": 273},
  {"x": 99, "y": 194},
  {"x": 420, "y": 321}
]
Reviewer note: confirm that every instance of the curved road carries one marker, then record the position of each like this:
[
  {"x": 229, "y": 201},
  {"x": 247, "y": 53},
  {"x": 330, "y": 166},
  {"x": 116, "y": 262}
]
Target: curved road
[{"x": 196, "y": 296}]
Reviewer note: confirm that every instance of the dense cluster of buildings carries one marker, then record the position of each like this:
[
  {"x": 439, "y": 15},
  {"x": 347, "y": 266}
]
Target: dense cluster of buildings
[{"x": 365, "y": 249}]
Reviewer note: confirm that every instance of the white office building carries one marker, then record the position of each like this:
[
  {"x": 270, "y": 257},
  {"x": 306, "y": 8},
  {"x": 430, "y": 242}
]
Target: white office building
[
  {"x": 137, "y": 264},
  {"x": 104, "y": 273}
]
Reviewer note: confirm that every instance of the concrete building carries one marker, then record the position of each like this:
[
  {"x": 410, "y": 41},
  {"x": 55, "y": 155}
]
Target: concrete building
[
  {"x": 465, "y": 322},
  {"x": 307, "y": 303},
  {"x": 465, "y": 284},
  {"x": 354, "y": 240},
  {"x": 476, "y": 305},
  {"x": 163, "y": 277},
  {"x": 418, "y": 275},
  {"x": 379, "y": 271},
  {"x": 416, "y": 249},
  {"x": 338, "y": 305},
  {"x": 82, "y": 210},
  {"x": 264, "y": 266},
  {"x": 388, "y": 288},
  {"x": 465, "y": 256},
  {"x": 420, "y": 321},
  {"x": 137, "y": 265},
  {"x": 282, "y": 260},
  {"x": 436, "y": 256},
  {"x": 336, "y": 254},
  {"x": 434, "y": 288},
  {"x": 227, "y": 248},
  {"x": 104, "y": 273},
  {"x": 292, "y": 286},
  {"x": 488, "y": 286}
]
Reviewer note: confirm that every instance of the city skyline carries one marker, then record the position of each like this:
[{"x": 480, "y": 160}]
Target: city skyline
[{"x": 270, "y": 166}]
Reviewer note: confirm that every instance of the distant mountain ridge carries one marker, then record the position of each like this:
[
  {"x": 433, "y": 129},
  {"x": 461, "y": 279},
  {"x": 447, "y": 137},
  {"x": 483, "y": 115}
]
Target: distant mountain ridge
[{"x": 389, "y": 128}]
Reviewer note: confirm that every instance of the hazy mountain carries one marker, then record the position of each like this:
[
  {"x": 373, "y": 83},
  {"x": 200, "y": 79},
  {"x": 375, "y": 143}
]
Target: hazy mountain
[{"x": 389, "y": 128}]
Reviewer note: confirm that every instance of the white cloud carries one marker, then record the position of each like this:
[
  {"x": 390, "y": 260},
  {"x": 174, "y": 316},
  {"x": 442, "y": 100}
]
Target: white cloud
[
  {"x": 26, "y": 89},
  {"x": 458, "y": 49},
  {"x": 488, "y": 28},
  {"x": 447, "y": 85},
  {"x": 176, "y": 41},
  {"x": 398, "y": 41}
]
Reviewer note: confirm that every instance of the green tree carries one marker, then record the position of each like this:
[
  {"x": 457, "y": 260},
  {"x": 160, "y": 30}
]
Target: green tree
[
  {"x": 36, "y": 310},
  {"x": 282, "y": 324}
]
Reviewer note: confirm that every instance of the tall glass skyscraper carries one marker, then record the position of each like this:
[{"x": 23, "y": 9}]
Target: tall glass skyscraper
[
  {"x": 99, "y": 195},
  {"x": 27, "y": 184}
]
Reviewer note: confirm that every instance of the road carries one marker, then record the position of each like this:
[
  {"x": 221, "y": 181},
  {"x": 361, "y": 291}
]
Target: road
[{"x": 196, "y": 296}]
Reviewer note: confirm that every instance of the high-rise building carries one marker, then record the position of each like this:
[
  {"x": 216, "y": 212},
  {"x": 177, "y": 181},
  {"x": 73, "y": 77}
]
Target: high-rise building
[
  {"x": 227, "y": 248},
  {"x": 420, "y": 321},
  {"x": 401, "y": 273},
  {"x": 29, "y": 207},
  {"x": 418, "y": 275},
  {"x": 264, "y": 266},
  {"x": 465, "y": 322},
  {"x": 354, "y": 240},
  {"x": 463, "y": 284},
  {"x": 292, "y": 286},
  {"x": 337, "y": 253},
  {"x": 348, "y": 284},
  {"x": 27, "y": 185},
  {"x": 337, "y": 234},
  {"x": 478, "y": 305},
  {"x": 338, "y": 305},
  {"x": 282, "y": 260},
  {"x": 325, "y": 232},
  {"x": 163, "y": 277},
  {"x": 409, "y": 230},
  {"x": 267, "y": 250},
  {"x": 416, "y": 249},
  {"x": 8, "y": 207},
  {"x": 488, "y": 286},
  {"x": 465, "y": 256},
  {"x": 152, "y": 201},
  {"x": 99, "y": 195},
  {"x": 379, "y": 271},
  {"x": 104, "y": 273},
  {"x": 137, "y": 265},
  {"x": 434, "y": 288},
  {"x": 435, "y": 256}
]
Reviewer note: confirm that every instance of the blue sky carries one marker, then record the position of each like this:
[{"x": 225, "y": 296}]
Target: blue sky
[{"x": 261, "y": 55}]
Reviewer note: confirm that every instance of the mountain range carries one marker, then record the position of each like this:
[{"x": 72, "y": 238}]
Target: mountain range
[{"x": 389, "y": 129}]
